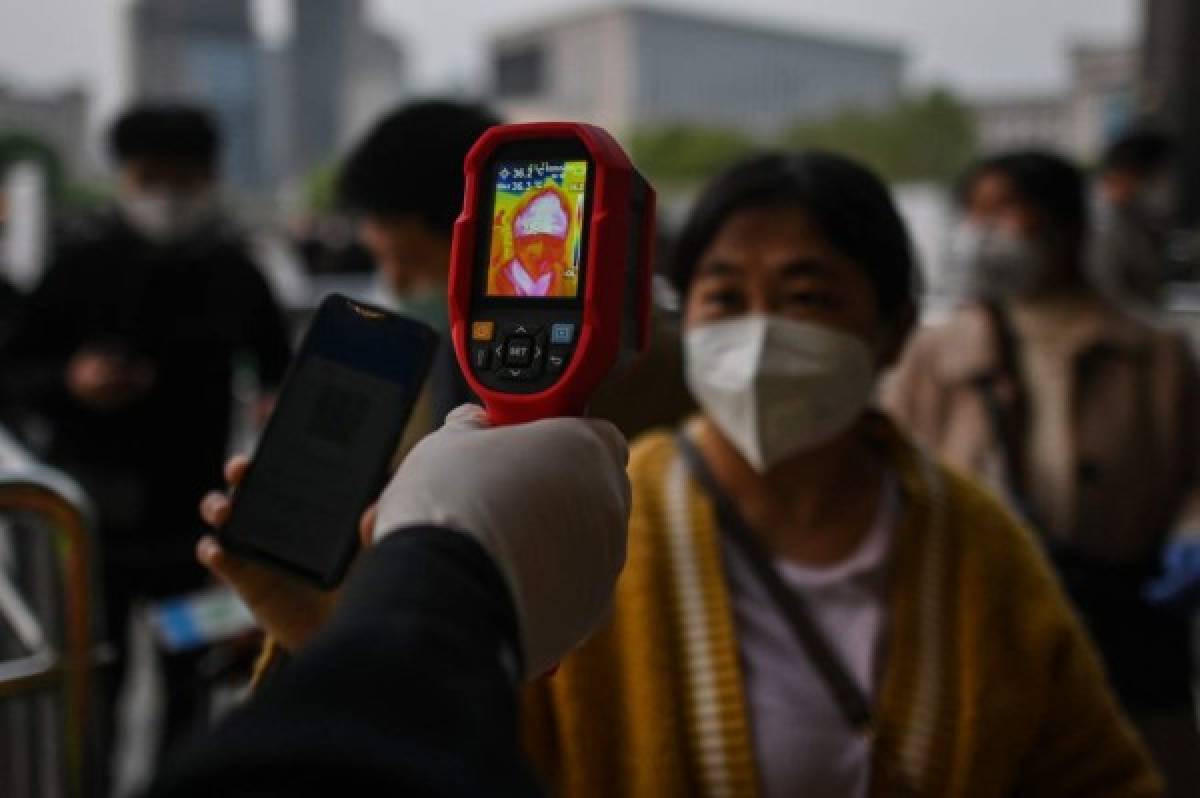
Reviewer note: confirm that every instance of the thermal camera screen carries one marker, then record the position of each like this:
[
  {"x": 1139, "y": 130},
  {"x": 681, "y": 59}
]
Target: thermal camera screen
[{"x": 537, "y": 229}]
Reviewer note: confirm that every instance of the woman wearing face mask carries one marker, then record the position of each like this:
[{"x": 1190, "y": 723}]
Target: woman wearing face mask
[
  {"x": 810, "y": 606},
  {"x": 1083, "y": 417}
]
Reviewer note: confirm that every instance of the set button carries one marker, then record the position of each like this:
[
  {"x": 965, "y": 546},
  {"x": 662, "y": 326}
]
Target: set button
[{"x": 518, "y": 351}]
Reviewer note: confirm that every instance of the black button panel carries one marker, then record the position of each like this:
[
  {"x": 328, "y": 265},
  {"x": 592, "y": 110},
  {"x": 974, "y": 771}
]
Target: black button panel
[{"x": 521, "y": 357}]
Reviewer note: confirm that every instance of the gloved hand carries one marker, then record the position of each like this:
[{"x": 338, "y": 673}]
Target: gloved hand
[
  {"x": 1178, "y": 586},
  {"x": 548, "y": 500}
]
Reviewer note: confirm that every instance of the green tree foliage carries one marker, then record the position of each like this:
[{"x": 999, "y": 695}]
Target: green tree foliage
[
  {"x": 926, "y": 137},
  {"x": 86, "y": 195},
  {"x": 320, "y": 188},
  {"x": 682, "y": 154},
  {"x": 63, "y": 191},
  {"x": 17, "y": 146}
]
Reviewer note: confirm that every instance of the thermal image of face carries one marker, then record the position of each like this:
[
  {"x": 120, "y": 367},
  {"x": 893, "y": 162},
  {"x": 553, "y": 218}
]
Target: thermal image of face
[
  {"x": 540, "y": 241},
  {"x": 536, "y": 231}
]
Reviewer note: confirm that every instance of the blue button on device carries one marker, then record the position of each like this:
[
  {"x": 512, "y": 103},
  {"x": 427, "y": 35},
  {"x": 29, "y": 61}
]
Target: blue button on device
[{"x": 562, "y": 333}]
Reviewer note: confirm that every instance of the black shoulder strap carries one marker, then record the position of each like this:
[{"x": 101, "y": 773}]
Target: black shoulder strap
[
  {"x": 851, "y": 700},
  {"x": 1009, "y": 424}
]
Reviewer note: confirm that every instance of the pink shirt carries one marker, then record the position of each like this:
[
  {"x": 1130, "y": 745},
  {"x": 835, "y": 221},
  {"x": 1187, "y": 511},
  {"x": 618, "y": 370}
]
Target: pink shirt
[{"x": 803, "y": 743}]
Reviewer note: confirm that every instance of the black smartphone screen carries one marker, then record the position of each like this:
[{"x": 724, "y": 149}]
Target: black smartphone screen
[{"x": 325, "y": 452}]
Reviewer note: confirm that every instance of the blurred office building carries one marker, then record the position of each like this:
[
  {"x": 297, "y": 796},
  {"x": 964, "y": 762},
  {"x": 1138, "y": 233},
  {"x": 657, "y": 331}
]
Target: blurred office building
[
  {"x": 344, "y": 74},
  {"x": 633, "y": 65},
  {"x": 206, "y": 52},
  {"x": 285, "y": 107},
  {"x": 1100, "y": 102},
  {"x": 56, "y": 119},
  {"x": 43, "y": 146},
  {"x": 1171, "y": 93}
]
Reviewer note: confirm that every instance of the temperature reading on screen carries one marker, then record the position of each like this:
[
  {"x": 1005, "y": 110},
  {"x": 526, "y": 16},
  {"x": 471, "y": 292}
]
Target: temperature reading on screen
[{"x": 537, "y": 229}]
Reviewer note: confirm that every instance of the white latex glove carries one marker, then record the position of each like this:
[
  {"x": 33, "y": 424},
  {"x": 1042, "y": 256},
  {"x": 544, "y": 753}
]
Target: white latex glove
[{"x": 548, "y": 500}]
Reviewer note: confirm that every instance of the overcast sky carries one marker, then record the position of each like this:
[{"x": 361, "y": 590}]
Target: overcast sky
[{"x": 976, "y": 46}]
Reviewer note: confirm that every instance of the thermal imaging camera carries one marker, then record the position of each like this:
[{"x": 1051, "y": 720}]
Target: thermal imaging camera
[{"x": 551, "y": 268}]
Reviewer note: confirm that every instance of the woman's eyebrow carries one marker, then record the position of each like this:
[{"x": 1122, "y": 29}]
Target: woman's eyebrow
[
  {"x": 804, "y": 267},
  {"x": 719, "y": 268}
]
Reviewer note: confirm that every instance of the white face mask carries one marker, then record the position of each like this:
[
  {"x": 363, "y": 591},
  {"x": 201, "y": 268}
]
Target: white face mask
[
  {"x": 166, "y": 216},
  {"x": 775, "y": 386},
  {"x": 989, "y": 263}
]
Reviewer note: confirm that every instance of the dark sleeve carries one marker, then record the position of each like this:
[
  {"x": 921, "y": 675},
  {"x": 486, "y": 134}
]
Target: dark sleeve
[
  {"x": 408, "y": 691},
  {"x": 45, "y": 334},
  {"x": 449, "y": 387},
  {"x": 266, "y": 329}
]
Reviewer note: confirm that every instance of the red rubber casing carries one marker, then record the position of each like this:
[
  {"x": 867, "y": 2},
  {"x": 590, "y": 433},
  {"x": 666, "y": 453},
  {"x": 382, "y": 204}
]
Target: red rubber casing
[{"x": 600, "y": 344}]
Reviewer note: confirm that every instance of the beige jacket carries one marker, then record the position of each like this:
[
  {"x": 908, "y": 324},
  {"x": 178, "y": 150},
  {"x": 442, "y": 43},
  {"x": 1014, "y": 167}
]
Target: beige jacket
[{"x": 1128, "y": 474}]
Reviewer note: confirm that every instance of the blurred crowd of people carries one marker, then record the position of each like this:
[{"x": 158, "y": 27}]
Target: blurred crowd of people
[{"x": 867, "y": 555}]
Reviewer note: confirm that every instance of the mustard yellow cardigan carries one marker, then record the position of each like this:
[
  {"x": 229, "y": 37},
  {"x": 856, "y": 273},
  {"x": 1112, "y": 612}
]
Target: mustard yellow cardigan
[{"x": 990, "y": 686}]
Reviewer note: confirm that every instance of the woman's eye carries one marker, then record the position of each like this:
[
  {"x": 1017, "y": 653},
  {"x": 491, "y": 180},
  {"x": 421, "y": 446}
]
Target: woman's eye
[
  {"x": 811, "y": 299},
  {"x": 724, "y": 299}
]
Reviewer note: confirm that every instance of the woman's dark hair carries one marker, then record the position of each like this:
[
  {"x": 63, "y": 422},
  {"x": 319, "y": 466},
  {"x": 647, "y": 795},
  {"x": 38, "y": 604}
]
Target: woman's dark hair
[
  {"x": 177, "y": 132},
  {"x": 411, "y": 162},
  {"x": 845, "y": 201},
  {"x": 1046, "y": 181}
]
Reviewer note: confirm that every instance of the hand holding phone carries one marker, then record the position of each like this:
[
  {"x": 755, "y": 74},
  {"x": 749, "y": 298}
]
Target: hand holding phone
[
  {"x": 288, "y": 608},
  {"x": 324, "y": 454}
]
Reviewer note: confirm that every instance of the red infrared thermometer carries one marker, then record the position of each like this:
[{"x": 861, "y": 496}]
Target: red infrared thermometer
[{"x": 551, "y": 268}]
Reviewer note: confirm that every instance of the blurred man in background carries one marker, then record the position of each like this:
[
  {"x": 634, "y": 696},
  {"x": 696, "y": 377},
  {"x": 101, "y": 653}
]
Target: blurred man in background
[
  {"x": 1083, "y": 416},
  {"x": 404, "y": 181},
  {"x": 1134, "y": 204},
  {"x": 127, "y": 351}
]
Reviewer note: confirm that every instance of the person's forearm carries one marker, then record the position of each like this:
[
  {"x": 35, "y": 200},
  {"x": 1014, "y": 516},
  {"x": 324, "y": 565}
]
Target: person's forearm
[{"x": 409, "y": 689}]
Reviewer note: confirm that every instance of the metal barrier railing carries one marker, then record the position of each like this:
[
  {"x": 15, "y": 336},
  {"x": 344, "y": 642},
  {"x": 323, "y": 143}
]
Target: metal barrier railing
[{"x": 45, "y": 663}]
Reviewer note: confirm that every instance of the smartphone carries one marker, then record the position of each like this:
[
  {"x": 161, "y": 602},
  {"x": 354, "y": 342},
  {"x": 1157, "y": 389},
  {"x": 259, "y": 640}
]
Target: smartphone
[{"x": 324, "y": 455}]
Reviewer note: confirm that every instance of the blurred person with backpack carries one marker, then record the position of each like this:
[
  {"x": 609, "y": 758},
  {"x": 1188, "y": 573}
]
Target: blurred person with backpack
[{"x": 1083, "y": 417}]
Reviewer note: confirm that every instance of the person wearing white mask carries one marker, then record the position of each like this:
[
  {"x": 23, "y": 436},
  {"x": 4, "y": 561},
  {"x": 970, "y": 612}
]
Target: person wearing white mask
[
  {"x": 810, "y": 605},
  {"x": 403, "y": 183},
  {"x": 1081, "y": 416}
]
